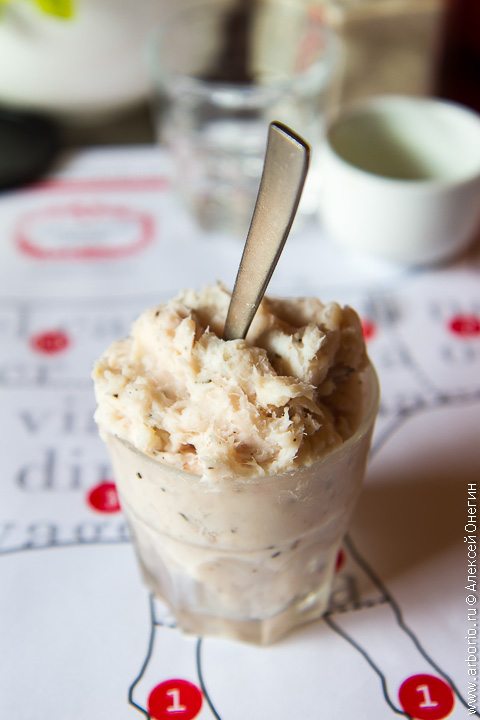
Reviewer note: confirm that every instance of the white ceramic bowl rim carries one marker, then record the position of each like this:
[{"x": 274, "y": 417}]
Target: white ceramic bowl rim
[{"x": 385, "y": 102}]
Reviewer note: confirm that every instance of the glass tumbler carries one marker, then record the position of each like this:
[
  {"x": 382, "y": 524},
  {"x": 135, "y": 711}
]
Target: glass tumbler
[
  {"x": 221, "y": 73},
  {"x": 248, "y": 558}
]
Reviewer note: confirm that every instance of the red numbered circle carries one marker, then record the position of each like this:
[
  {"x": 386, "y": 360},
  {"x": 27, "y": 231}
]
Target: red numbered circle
[
  {"x": 104, "y": 498},
  {"x": 465, "y": 325},
  {"x": 426, "y": 697},
  {"x": 369, "y": 329},
  {"x": 340, "y": 561},
  {"x": 50, "y": 342},
  {"x": 179, "y": 699}
]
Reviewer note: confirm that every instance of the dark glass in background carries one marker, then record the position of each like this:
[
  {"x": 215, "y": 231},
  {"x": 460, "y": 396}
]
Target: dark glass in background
[{"x": 458, "y": 76}]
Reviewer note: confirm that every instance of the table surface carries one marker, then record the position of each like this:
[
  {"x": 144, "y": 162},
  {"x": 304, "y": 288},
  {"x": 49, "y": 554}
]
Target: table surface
[{"x": 81, "y": 255}]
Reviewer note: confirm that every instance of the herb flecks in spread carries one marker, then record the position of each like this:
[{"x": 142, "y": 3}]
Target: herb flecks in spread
[{"x": 283, "y": 397}]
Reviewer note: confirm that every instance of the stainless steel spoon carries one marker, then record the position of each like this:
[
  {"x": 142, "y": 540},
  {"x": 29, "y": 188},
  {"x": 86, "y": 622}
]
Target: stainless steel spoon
[{"x": 283, "y": 177}]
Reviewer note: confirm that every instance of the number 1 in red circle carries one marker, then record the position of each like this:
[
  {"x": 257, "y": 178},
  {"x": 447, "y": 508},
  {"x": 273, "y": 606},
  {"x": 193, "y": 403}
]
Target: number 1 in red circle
[
  {"x": 174, "y": 700},
  {"x": 426, "y": 697}
]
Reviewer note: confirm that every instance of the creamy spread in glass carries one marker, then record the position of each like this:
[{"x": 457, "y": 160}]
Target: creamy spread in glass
[{"x": 280, "y": 399}]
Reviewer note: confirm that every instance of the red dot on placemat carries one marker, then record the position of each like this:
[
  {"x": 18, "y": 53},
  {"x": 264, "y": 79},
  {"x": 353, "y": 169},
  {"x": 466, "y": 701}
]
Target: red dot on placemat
[
  {"x": 426, "y": 697},
  {"x": 179, "y": 699},
  {"x": 104, "y": 498},
  {"x": 465, "y": 325},
  {"x": 50, "y": 342},
  {"x": 369, "y": 329},
  {"x": 340, "y": 561}
]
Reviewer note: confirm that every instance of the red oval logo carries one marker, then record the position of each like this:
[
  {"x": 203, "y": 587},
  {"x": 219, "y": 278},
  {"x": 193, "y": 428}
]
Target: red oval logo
[{"x": 84, "y": 232}]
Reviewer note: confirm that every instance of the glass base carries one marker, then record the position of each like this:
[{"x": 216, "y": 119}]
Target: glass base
[
  {"x": 264, "y": 631},
  {"x": 259, "y": 631},
  {"x": 248, "y": 596}
]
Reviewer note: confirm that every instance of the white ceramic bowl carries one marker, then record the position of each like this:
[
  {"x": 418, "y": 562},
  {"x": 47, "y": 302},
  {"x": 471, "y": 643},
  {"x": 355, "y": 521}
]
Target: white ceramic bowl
[
  {"x": 400, "y": 178},
  {"x": 84, "y": 67}
]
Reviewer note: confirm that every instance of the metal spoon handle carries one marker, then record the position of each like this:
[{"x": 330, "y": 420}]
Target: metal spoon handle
[{"x": 283, "y": 177}]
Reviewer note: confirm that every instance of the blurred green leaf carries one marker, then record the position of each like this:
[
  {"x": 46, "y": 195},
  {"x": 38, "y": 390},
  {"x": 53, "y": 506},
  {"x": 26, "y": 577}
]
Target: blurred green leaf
[{"x": 60, "y": 8}]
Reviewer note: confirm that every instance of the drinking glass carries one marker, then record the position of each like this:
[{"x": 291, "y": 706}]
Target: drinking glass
[
  {"x": 248, "y": 558},
  {"x": 221, "y": 73}
]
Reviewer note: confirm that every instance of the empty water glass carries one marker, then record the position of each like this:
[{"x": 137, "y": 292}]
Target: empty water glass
[{"x": 222, "y": 72}]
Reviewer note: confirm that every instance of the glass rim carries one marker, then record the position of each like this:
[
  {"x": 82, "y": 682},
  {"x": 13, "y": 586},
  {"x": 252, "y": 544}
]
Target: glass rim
[
  {"x": 370, "y": 377},
  {"x": 321, "y": 66}
]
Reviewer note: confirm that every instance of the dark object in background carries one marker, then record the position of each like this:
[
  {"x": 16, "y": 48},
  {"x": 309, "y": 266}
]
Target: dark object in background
[
  {"x": 459, "y": 67},
  {"x": 232, "y": 63},
  {"x": 28, "y": 146}
]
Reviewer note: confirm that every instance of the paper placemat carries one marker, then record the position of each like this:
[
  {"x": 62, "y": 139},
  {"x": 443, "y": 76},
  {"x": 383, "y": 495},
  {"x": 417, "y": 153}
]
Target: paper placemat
[{"x": 81, "y": 255}]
